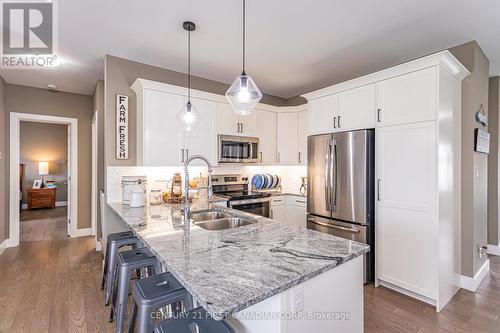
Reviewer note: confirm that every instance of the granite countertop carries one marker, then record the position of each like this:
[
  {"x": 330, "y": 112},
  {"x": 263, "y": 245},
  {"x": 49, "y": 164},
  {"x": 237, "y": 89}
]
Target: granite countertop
[{"x": 229, "y": 270}]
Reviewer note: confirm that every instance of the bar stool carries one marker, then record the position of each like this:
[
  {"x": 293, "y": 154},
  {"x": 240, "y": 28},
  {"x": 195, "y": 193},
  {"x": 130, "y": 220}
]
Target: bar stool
[
  {"x": 153, "y": 293},
  {"x": 197, "y": 320},
  {"x": 115, "y": 243},
  {"x": 129, "y": 261}
]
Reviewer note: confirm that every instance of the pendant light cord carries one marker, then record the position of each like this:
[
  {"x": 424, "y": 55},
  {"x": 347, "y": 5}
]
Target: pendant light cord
[
  {"x": 244, "y": 35},
  {"x": 189, "y": 66}
]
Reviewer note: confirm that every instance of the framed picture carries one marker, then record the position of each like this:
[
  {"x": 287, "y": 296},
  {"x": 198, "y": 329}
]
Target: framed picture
[{"x": 37, "y": 184}]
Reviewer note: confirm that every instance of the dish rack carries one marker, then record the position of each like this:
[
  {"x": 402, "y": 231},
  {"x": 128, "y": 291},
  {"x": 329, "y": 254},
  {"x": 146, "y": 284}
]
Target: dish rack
[{"x": 277, "y": 189}]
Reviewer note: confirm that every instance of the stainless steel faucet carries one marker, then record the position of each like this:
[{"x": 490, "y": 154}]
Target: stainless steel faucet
[{"x": 185, "y": 209}]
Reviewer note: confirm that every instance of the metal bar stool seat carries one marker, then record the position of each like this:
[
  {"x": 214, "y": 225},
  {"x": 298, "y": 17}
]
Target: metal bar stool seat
[
  {"x": 153, "y": 293},
  {"x": 197, "y": 320},
  {"x": 115, "y": 242},
  {"x": 129, "y": 261}
]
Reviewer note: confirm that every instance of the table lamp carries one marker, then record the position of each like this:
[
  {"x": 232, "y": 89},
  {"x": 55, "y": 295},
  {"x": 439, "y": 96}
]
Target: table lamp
[{"x": 43, "y": 170}]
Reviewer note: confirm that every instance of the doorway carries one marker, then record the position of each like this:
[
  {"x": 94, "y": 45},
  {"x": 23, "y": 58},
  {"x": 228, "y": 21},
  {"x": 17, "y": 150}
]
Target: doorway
[
  {"x": 43, "y": 181},
  {"x": 40, "y": 167}
]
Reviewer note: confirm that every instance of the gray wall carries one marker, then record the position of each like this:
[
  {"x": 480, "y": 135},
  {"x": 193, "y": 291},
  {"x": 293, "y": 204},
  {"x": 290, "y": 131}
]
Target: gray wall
[
  {"x": 474, "y": 165},
  {"x": 40, "y": 101},
  {"x": 493, "y": 179},
  {"x": 98, "y": 104},
  {"x": 45, "y": 142},
  {"x": 3, "y": 163},
  {"x": 119, "y": 76}
]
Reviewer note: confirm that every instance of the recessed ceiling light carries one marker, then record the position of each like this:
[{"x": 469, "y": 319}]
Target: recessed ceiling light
[{"x": 51, "y": 86}]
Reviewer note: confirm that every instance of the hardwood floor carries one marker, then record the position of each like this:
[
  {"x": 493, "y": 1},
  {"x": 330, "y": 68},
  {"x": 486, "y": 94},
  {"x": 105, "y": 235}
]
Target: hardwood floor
[{"x": 51, "y": 283}]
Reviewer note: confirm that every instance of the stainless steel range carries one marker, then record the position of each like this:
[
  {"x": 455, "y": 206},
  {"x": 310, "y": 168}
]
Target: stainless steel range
[{"x": 235, "y": 189}]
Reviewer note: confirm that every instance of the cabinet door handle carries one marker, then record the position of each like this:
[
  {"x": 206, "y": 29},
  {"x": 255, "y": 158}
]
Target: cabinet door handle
[
  {"x": 241, "y": 127},
  {"x": 300, "y": 161},
  {"x": 238, "y": 130},
  {"x": 182, "y": 155},
  {"x": 378, "y": 115},
  {"x": 334, "y": 120},
  {"x": 378, "y": 189},
  {"x": 260, "y": 157},
  {"x": 272, "y": 213},
  {"x": 279, "y": 159},
  {"x": 300, "y": 201},
  {"x": 338, "y": 121}
]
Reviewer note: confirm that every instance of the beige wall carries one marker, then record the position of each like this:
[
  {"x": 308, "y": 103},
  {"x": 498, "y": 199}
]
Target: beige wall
[
  {"x": 493, "y": 179},
  {"x": 40, "y": 101},
  {"x": 474, "y": 165},
  {"x": 119, "y": 76},
  {"x": 45, "y": 142},
  {"x": 3, "y": 163}
]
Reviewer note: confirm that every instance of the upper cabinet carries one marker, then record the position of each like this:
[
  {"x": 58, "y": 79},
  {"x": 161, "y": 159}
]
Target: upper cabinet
[
  {"x": 229, "y": 123},
  {"x": 347, "y": 110},
  {"x": 160, "y": 138},
  {"x": 356, "y": 109},
  {"x": 302, "y": 137},
  {"x": 287, "y": 138},
  {"x": 266, "y": 132},
  {"x": 321, "y": 113},
  {"x": 408, "y": 98}
]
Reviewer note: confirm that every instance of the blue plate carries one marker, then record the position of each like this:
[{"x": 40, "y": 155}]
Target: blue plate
[
  {"x": 270, "y": 183},
  {"x": 257, "y": 181},
  {"x": 266, "y": 181}
]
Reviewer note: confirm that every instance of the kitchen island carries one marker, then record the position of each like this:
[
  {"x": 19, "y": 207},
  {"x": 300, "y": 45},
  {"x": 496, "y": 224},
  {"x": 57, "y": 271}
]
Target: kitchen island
[{"x": 267, "y": 276}]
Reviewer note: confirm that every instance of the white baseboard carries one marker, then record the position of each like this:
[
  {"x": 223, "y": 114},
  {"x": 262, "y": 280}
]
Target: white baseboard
[
  {"x": 82, "y": 232},
  {"x": 494, "y": 250},
  {"x": 407, "y": 292},
  {"x": 4, "y": 245},
  {"x": 472, "y": 284},
  {"x": 58, "y": 204}
]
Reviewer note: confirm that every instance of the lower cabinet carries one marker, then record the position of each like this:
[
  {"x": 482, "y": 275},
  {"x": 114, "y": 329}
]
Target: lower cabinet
[{"x": 289, "y": 209}]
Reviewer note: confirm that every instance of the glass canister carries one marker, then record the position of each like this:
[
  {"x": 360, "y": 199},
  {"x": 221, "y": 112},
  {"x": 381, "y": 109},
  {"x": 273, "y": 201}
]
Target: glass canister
[
  {"x": 176, "y": 190},
  {"x": 155, "y": 197}
]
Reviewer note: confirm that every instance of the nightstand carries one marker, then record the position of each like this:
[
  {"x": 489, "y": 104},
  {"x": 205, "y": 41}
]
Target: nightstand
[{"x": 42, "y": 198}]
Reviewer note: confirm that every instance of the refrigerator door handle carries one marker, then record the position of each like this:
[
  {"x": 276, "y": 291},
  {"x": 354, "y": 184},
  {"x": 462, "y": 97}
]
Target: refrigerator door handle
[{"x": 327, "y": 177}]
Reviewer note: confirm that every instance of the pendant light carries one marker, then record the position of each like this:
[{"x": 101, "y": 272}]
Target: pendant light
[
  {"x": 243, "y": 94},
  {"x": 188, "y": 116}
]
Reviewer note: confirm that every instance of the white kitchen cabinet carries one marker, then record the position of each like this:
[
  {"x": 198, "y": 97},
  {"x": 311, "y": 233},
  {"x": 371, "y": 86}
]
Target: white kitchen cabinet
[
  {"x": 230, "y": 123},
  {"x": 201, "y": 140},
  {"x": 160, "y": 138},
  {"x": 278, "y": 209},
  {"x": 408, "y": 98},
  {"x": 320, "y": 114},
  {"x": 297, "y": 211},
  {"x": 407, "y": 207},
  {"x": 287, "y": 149},
  {"x": 302, "y": 137},
  {"x": 356, "y": 109},
  {"x": 266, "y": 132}
]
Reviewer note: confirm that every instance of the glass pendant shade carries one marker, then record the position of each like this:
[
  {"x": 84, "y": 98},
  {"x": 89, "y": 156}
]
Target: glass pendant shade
[
  {"x": 189, "y": 117},
  {"x": 243, "y": 95}
]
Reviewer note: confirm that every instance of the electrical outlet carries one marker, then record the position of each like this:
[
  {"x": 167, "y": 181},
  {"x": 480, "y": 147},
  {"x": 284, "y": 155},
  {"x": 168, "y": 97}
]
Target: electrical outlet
[{"x": 298, "y": 299}]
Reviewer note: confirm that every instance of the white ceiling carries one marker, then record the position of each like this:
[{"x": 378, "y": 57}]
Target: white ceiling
[{"x": 293, "y": 46}]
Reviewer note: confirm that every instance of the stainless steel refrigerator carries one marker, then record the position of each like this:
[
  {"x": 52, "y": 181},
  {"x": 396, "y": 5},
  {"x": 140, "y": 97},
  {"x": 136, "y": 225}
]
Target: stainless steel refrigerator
[{"x": 341, "y": 188}]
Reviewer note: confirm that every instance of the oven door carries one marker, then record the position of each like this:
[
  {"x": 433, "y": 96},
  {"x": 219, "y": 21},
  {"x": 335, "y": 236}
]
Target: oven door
[
  {"x": 238, "y": 149},
  {"x": 254, "y": 206}
]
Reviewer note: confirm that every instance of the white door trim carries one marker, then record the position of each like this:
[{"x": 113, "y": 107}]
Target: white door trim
[
  {"x": 15, "y": 123},
  {"x": 94, "y": 177}
]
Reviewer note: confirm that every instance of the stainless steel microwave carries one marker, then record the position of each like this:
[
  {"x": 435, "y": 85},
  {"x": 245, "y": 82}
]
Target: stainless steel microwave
[{"x": 238, "y": 149}]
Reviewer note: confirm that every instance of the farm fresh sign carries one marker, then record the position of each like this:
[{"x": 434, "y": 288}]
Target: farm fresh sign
[{"x": 121, "y": 127}]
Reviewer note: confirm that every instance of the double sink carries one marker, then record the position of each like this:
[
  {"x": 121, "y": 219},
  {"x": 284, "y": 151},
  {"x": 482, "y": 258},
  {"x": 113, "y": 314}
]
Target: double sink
[{"x": 218, "y": 220}]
